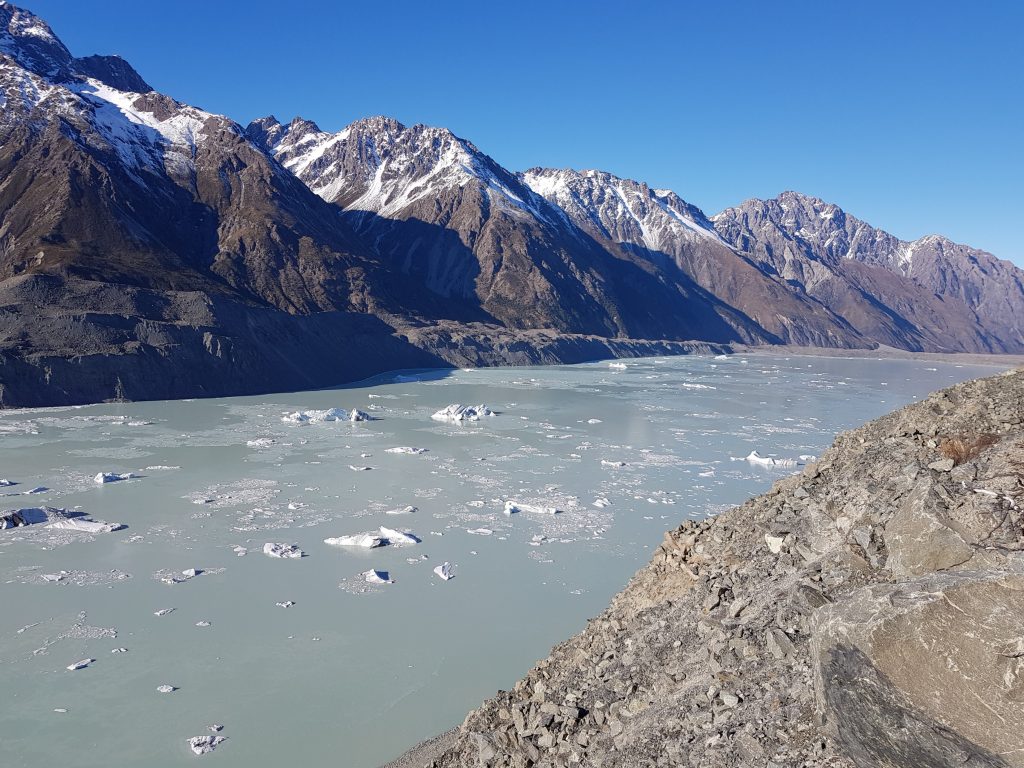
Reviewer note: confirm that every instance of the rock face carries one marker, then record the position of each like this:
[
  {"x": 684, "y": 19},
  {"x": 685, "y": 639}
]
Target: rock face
[
  {"x": 915, "y": 295},
  {"x": 141, "y": 237},
  {"x": 866, "y": 612}
]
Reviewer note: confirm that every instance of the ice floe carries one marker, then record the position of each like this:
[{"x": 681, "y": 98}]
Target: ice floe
[
  {"x": 618, "y": 366},
  {"x": 406, "y": 510},
  {"x": 330, "y": 414},
  {"x": 399, "y": 538},
  {"x": 285, "y": 604},
  {"x": 406, "y": 449},
  {"x": 56, "y": 519},
  {"x": 444, "y": 570},
  {"x": 285, "y": 551},
  {"x": 82, "y": 664},
  {"x": 377, "y": 577},
  {"x": 513, "y": 507},
  {"x": 768, "y": 461},
  {"x": 456, "y": 412},
  {"x": 363, "y": 540},
  {"x": 113, "y": 477},
  {"x": 166, "y": 689},
  {"x": 203, "y": 745}
]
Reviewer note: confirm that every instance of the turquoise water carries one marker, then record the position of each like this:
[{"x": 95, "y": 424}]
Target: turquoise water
[{"x": 354, "y": 673}]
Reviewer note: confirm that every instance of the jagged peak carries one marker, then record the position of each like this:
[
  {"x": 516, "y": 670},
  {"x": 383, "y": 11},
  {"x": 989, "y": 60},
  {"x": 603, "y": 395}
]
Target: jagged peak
[
  {"x": 28, "y": 40},
  {"x": 113, "y": 71}
]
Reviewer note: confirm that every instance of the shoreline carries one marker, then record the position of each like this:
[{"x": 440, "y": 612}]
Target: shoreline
[
  {"x": 1005, "y": 361},
  {"x": 424, "y": 752}
]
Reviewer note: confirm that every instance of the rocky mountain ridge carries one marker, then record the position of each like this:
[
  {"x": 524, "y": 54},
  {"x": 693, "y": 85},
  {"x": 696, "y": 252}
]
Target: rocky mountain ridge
[
  {"x": 110, "y": 191},
  {"x": 866, "y": 612}
]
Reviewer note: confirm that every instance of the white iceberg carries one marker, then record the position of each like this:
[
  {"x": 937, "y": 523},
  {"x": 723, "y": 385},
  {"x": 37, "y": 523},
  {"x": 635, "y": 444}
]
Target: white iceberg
[
  {"x": 513, "y": 507},
  {"x": 202, "y": 745},
  {"x": 260, "y": 442},
  {"x": 377, "y": 577},
  {"x": 282, "y": 550},
  {"x": 330, "y": 414},
  {"x": 60, "y": 519},
  {"x": 285, "y": 604},
  {"x": 406, "y": 449},
  {"x": 165, "y": 689},
  {"x": 354, "y": 468},
  {"x": 607, "y": 463},
  {"x": 408, "y": 510},
  {"x": 456, "y": 412},
  {"x": 618, "y": 366},
  {"x": 5, "y": 483},
  {"x": 399, "y": 538},
  {"x": 480, "y": 531},
  {"x": 80, "y": 664},
  {"x": 365, "y": 540},
  {"x": 445, "y": 571},
  {"x": 766, "y": 461},
  {"x": 112, "y": 477}
]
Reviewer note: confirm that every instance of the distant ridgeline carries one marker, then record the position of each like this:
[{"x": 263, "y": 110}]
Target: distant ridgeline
[{"x": 152, "y": 249}]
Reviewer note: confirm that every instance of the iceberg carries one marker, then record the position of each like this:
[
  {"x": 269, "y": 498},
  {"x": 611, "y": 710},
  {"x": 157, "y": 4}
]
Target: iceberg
[
  {"x": 445, "y": 571},
  {"x": 60, "y": 519},
  {"x": 165, "y": 689},
  {"x": 113, "y": 477},
  {"x": 330, "y": 414},
  {"x": 403, "y": 511},
  {"x": 456, "y": 412},
  {"x": 399, "y": 538},
  {"x": 607, "y": 463},
  {"x": 513, "y": 507},
  {"x": 365, "y": 540},
  {"x": 406, "y": 449},
  {"x": 766, "y": 461},
  {"x": 354, "y": 468},
  {"x": 80, "y": 664},
  {"x": 5, "y": 483},
  {"x": 618, "y": 366},
  {"x": 377, "y": 577},
  {"x": 201, "y": 745},
  {"x": 282, "y": 550}
]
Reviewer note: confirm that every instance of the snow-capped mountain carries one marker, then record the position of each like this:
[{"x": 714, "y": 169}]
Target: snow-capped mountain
[
  {"x": 952, "y": 292},
  {"x": 150, "y": 248},
  {"x": 436, "y": 207}
]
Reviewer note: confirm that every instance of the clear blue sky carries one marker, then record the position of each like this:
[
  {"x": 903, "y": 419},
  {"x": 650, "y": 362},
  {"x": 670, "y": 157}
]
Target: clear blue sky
[{"x": 908, "y": 114}]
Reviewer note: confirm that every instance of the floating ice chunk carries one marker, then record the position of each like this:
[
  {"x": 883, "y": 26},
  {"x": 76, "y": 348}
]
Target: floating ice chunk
[
  {"x": 399, "y": 538},
  {"x": 721, "y": 357},
  {"x": 52, "y": 517},
  {"x": 766, "y": 461},
  {"x": 706, "y": 473},
  {"x": 601, "y": 502},
  {"x": 408, "y": 510},
  {"x": 165, "y": 689},
  {"x": 480, "y": 531},
  {"x": 618, "y": 366},
  {"x": 594, "y": 421},
  {"x": 331, "y": 414},
  {"x": 365, "y": 540},
  {"x": 113, "y": 477},
  {"x": 85, "y": 525},
  {"x": 285, "y": 604},
  {"x": 5, "y": 483},
  {"x": 82, "y": 664},
  {"x": 512, "y": 507},
  {"x": 37, "y": 489},
  {"x": 261, "y": 442},
  {"x": 456, "y": 412},
  {"x": 202, "y": 623},
  {"x": 354, "y": 468},
  {"x": 202, "y": 745},
  {"x": 406, "y": 449},
  {"x": 445, "y": 571},
  {"x": 377, "y": 577},
  {"x": 119, "y": 650},
  {"x": 215, "y": 727},
  {"x": 240, "y": 551},
  {"x": 607, "y": 463},
  {"x": 271, "y": 549},
  {"x": 163, "y": 611}
]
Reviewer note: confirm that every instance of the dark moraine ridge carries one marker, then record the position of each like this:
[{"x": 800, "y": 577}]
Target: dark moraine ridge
[{"x": 866, "y": 612}]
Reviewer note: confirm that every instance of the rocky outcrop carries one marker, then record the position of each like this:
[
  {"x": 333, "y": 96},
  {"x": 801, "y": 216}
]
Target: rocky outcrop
[{"x": 866, "y": 612}]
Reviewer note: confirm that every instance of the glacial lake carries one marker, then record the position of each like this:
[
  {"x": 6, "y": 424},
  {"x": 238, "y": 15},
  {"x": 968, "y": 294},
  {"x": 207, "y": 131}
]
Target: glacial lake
[{"x": 354, "y": 673}]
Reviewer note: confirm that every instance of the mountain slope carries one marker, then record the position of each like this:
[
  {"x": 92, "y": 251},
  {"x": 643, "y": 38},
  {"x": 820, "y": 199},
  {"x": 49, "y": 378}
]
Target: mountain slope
[
  {"x": 659, "y": 228},
  {"x": 957, "y": 298},
  {"x": 438, "y": 208}
]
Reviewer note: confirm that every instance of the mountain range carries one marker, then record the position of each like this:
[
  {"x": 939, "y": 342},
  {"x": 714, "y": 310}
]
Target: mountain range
[{"x": 151, "y": 249}]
